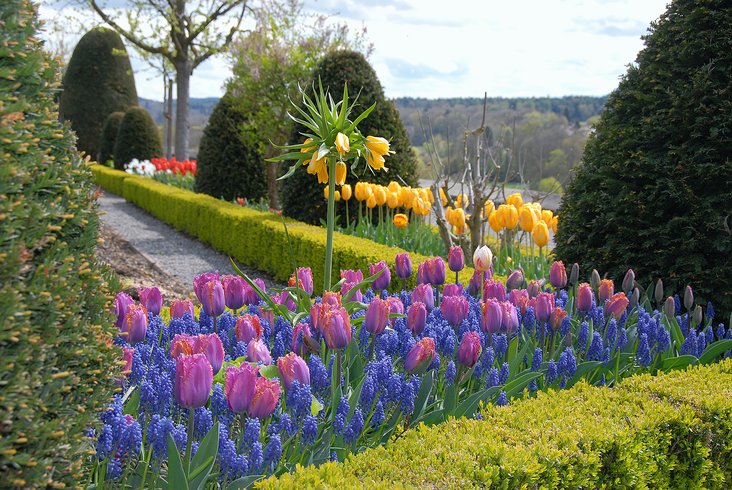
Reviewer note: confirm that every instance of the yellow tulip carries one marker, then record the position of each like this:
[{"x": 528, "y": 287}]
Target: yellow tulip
[
  {"x": 488, "y": 208},
  {"x": 371, "y": 202},
  {"x": 337, "y": 196},
  {"x": 400, "y": 220},
  {"x": 358, "y": 191},
  {"x": 448, "y": 214},
  {"x": 547, "y": 216},
  {"x": 392, "y": 200},
  {"x": 346, "y": 192},
  {"x": 394, "y": 187},
  {"x": 368, "y": 191},
  {"x": 555, "y": 223},
  {"x": 342, "y": 144},
  {"x": 423, "y": 208},
  {"x": 443, "y": 197},
  {"x": 527, "y": 219},
  {"x": 515, "y": 200},
  {"x": 340, "y": 173},
  {"x": 495, "y": 222},
  {"x": 509, "y": 216},
  {"x": 458, "y": 218},
  {"x": 380, "y": 195},
  {"x": 540, "y": 234},
  {"x": 430, "y": 196},
  {"x": 408, "y": 197},
  {"x": 404, "y": 194},
  {"x": 461, "y": 200},
  {"x": 325, "y": 192}
]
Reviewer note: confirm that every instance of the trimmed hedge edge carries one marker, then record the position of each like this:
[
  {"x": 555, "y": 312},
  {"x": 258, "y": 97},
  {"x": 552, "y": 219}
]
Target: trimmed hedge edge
[
  {"x": 668, "y": 431},
  {"x": 254, "y": 238}
]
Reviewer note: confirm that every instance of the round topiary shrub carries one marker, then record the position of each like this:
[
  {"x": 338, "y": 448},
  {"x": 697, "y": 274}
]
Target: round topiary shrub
[
  {"x": 137, "y": 137},
  {"x": 109, "y": 136},
  {"x": 302, "y": 196},
  {"x": 654, "y": 190},
  {"x": 226, "y": 167},
  {"x": 98, "y": 81}
]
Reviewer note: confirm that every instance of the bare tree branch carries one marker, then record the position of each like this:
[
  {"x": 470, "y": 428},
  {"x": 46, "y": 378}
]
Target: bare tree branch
[{"x": 128, "y": 35}]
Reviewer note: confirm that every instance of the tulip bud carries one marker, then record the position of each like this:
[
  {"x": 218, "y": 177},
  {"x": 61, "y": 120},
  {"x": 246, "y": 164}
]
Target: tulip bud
[
  {"x": 382, "y": 282},
  {"x": 420, "y": 356},
  {"x": 574, "y": 275},
  {"x": 456, "y": 259},
  {"x": 534, "y": 288},
  {"x": 403, "y": 265},
  {"x": 264, "y": 401},
  {"x": 658, "y": 292},
  {"x": 251, "y": 297},
  {"x": 482, "y": 258},
  {"x": 584, "y": 297},
  {"x": 121, "y": 302},
  {"x": 416, "y": 317},
  {"x": 293, "y": 368},
  {"x": 135, "y": 324},
  {"x": 248, "y": 328},
  {"x": 151, "y": 299},
  {"x": 377, "y": 316},
  {"x": 336, "y": 327},
  {"x": 469, "y": 351},
  {"x": 688, "y": 298},
  {"x": 193, "y": 380},
  {"x": 239, "y": 386},
  {"x": 556, "y": 318},
  {"x": 212, "y": 298},
  {"x": 346, "y": 192},
  {"x": 515, "y": 280},
  {"x": 595, "y": 279},
  {"x": 509, "y": 318},
  {"x": 455, "y": 309},
  {"x": 617, "y": 304},
  {"x": 544, "y": 306},
  {"x": 698, "y": 316},
  {"x": 607, "y": 289},
  {"x": 453, "y": 290},
  {"x": 257, "y": 351},
  {"x": 491, "y": 316},
  {"x": 423, "y": 294},
  {"x": 628, "y": 281},
  {"x": 669, "y": 307},
  {"x": 635, "y": 297},
  {"x": 558, "y": 275},
  {"x": 436, "y": 271},
  {"x": 233, "y": 291}
]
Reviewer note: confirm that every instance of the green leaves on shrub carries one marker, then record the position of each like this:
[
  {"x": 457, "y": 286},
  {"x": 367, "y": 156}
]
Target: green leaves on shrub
[
  {"x": 109, "y": 137},
  {"x": 138, "y": 137}
]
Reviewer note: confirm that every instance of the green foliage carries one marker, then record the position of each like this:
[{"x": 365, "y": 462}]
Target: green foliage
[
  {"x": 302, "y": 196},
  {"x": 57, "y": 365},
  {"x": 98, "y": 81},
  {"x": 137, "y": 137},
  {"x": 655, "y": 188},
  {"x": 227, "y": 167},
  {"x": 109, "y": 137},
  {"x": 550, "y": 184},
  {"x": 669, "y": 431}
]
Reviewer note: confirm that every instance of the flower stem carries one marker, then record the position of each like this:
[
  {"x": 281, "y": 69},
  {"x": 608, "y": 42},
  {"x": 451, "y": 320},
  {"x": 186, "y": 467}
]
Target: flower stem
[
  {"x": 331, "y": 218},
  {"x": 189, "y": 442}
]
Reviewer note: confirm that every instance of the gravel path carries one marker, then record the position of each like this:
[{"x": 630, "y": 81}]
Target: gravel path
[{"x": 174, "y": 252}]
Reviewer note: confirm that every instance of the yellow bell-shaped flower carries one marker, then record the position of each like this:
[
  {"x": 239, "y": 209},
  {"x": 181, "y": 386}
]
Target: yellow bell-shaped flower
[
  {"x": 340, "y": 173},
  {"x": 342, "y": 144}
]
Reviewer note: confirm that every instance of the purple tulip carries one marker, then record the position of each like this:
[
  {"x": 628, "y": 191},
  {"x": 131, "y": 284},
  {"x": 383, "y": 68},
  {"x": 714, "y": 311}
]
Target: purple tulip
[
  {"x": 381, "y": 282},
  {"x": 423, "y": 294},
  {"x": 455, "y": 309},
  {"x": 200, "y": 281},
  {"x": 248, "y": 328},
  {"x": 491, "y": 317},
  {"x": 151, "y": 299},
  {"x": 584, "y": 297},
  {"x": 293, "y": 368},
  {"x": 210, "y": 345},
  {"x": 121, "y": 302},
  {"x": 134, "y": 327},
  {"x": 357, "y": 295},
  {"x": 453, "y": 290},
  {"x": 303, "y": 279},
  {"x": 628, "y": 281},
  {"x": 127, "y": 356},
  {"x": 396, "y": 307},
  {"x": 239, "y": 387},
  {"x": 543, "y": 306},
  {"x": 476, "y": 281},
  {"x": 416, "y": 317},
  {"x": 233, "y": 291},
  {"x": 266, "y": 396},
  {"x": 377, "y": 316},
  {"x": 558, "y": 275},
  {"x": 420, "y": 356},
  {"x": 266, "y": 315},
  {"x": 257, "y": 351},
  {"x": 617, "y": 304},
  {"x": 299, "y": 334},
  {"x": 353, "y": 276},
  {"x": 193, "y": 380},
  {"x": 469, "y": 351},
  {"x": 422, "y": 276},
  {"x": 494, "y": 289},
  {"x": 212, "y": 298},
  {"x": 336, "y": 327},
  {"x": 403, "y": 265},
  {"x": 534, "y": 288},
  {"x": 515, "y": 280},
  {"x": 456, "y": 259},
  {"x": 509, "y": 318},
  {"x": 180, "y": 307},
  {"x": 251, "y": 297},
  {"x": 436, "y": 271},
  {"x": 520, "y": 299}
]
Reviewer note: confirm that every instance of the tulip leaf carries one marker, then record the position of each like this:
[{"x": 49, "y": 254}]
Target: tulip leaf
[
  {"x": 131, "y": 403},
  {"x": 676, "y": 335},
  {"x": 176, "y": 474},
  {"x": 678, "y": 362},
  {"x": 362, "y": 284},
  {"x": 315, "y": 406},
  {"x": 270, "y": 371},
  {"x": 245, "y": 482},
  {"x": 265, "y": 297},
  {"x": 202, "y": 463},
  {"x": 425, "y": 388},
  {"x": 715, "y": 350}
]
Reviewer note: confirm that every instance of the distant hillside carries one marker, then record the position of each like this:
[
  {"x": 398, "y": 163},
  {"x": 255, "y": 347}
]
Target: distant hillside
[{"x": 200, "y": 109}]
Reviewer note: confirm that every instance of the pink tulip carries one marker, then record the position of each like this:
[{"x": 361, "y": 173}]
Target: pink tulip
[
  {"x": 239, "y": 387},
  {"x": 121, "y": 302},
  {"x": 210, "y": 345},
  {"x": 423, "y": 294},
  {"x": 491, "y": 316},
  {"x": 403, "y": 265},
  {"x": 151, "y": 299},
  {"x": 382, "y": 282},
  {"x": 200, "y": 281},
  {"x": 135, "y": 324},
  {"x": 183, "y": 344},
  {"x": 377, "y": 316},
  {"x": 396, "y": 307},
  {"x": 266, "y": 395},
  {"x": 233, "y": 291},
  {"x": 455, "y": 309},
  {"x": 293, "y": 368},
  {"x": 519, "y": 298},
  {"x": 354, "y": 276},
  {"x": 509, "y": 318},
  {"x": 558, "y": 275},
  {"x": 257, "y": 351},
  {"x": 251, "y": 297},
  {"x": 557, "y": 317},
  {"x": 453, "y": 290},
  {"x": 617, "y": 304},
  {"x": 193, "y": 380},
  {"x": 469, "y": 350},
  {"x": 494, "y": 289},
  {"x": 127, "y": 356},
  {"x": 303, "y": 279},
  {"x": 436, "y": 271},
  {"x": 607, "y": 289},
  {"x": 336, "y": 327},
  {"x": 420, "y": 356},
  {"x": 248, "y": 328},
  {"x": 267, "y": 315},
  {"x": 543, "y": 306},
  {"x": 584, "y": 297},
  {"x": 422, "y": 277},
  {"x": 212, "y": 298},
  {"x": 475, "y": 281},
  {"x": 515, "y": 280},
  {"x": 534, "y": 288},
  {"x": 180, "y": 307},
  {"x": 299, "y": 334},
  {"x": 347, "y": 286},
  {"x": 456, "y": 259},
  {"x": 416, "y": 317}
]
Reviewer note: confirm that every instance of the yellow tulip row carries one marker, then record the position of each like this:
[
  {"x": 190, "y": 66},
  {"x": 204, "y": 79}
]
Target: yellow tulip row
[{"x": 418, "y": 199}]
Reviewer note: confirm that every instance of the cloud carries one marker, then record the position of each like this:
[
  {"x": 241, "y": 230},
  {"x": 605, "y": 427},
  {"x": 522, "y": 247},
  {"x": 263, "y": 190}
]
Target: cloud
[
  {"x": 612, "y": 27},
  {"x": 403, "y": 69}
]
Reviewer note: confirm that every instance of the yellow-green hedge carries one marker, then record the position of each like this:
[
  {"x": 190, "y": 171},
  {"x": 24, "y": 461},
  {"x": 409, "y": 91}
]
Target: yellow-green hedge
[
  {"x": 254, "y": 238},
  {"x": 669, "y": 431}
]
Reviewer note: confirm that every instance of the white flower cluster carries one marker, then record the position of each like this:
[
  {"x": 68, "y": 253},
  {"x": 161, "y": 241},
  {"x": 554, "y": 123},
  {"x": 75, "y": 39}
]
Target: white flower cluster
[{"x": 144, "y": 167}]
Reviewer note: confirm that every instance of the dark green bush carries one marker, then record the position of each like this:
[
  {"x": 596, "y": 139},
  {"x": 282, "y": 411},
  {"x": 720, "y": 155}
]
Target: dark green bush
[
  {"x": 109, "y": 136},
  {"x": 655, "y": 187},
  {"x": 227, "y": 167},
  {"x": 302, "y": 196},
  {"x": 137, "y": 137},
  {"x": 98, "y": 81},
  {"x": 56, "y": 361}
]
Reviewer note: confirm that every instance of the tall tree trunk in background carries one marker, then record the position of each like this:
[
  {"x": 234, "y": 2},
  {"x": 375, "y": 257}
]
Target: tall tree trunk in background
[
  {"x": 169, "y": 118},
  {"x": 183, "y": 82}
]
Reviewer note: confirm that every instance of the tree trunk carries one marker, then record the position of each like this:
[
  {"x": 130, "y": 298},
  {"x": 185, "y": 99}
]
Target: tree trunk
[{"x": 183, "y": 85}]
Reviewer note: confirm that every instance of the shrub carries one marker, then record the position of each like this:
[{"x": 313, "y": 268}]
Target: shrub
[
  {"x": 302, "y": 196},
  {"x": 551, "y": 184},
  {"x": 137, "y": 137},
  {"x": 54, "y": 334},
  {"x": 98, "y": 81},
  {"x": 109, "y": 137},
  {"x": 654, "y": 189},
  {"x": 228, "y": 168}
]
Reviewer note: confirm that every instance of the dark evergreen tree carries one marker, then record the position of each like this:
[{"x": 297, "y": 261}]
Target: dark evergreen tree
[
  {"x": 138, "y": 137},
  {"x": 109, "y": 136},
  {"x": 98, "y": 81},
  {"x": 655, "y": 190},
  {"x": 302, "y": 196},
  {"x": 227, "y": 167}
]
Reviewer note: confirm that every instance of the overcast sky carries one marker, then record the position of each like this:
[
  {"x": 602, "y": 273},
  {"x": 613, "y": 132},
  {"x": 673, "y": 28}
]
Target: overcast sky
[{"x": 463, "y": 48}]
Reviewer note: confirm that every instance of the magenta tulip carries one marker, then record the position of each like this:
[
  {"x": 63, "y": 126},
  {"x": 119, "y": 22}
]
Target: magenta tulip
[
  {"x": 584, "y": 297},
  {"x": 382, "y": 282},
  {"x": 558, "y": 275},
  {"x": 303, "y": 279},
  {"x": 180, "y": 307},
  {"x": 543, "y": 306},
  {"x": 456, "y": 259},
  {"x": 436, "y": 271},
  {"x": 267, "y": 315},
  {"x": 151, "y": 299},
  {"x": 336, "y": 327},
  {"x": 416, "y": 317},
  {"x": 233, "y": 291},
  {"x": 403, "y": 265},
  {"x": 257, "y": 351},
  {"x": 357, "y": 295},
  {"x": 200, "y": 281},
  {"x": 212, "y": 298},
  {"x": 491, "y": 317},
  {"x": 422, "y": 276},
  {"x": 534, "y": 288},
  {"x": 475, "y": 281},
  {"x": 617, "y": 304},
  {"x": 210, "y": 345},
  {"x": 193, "y": 380},
  {"x": 121, "y": 302},
  {"x": 423, "y": 294},
  {"x": 518, "y": 297},
  {"x": 251, "y": 297},
  {"x": 455, "y": 309},
  {"x": 556, "y": 318},
  {"x": 293, "y": 368},
  {"x": 239, "y": 386},
  {"x": 135, "y": 324},
  {"x": 248, "y": 328},
  {"x": 494, "y": 289},
  {"x": 396, "y": 307},
  {"x": 127, "y": 356},
  {"x": 420, "y": 356},
  {"x": 509, "y": 318},
  {"x": 350, "y": 275},
  {"x": 300, "y": 333},
  {"x": 377, "y": 316},
  {"x": 453, "y": 290},
  {"x": 469, "y": 351},
  {"x": 266, "y": 395}
]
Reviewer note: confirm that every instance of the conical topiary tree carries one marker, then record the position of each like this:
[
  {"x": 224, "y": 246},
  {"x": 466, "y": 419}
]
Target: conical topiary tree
[
  {"x": 138, "y": 137},
  {"x": 98, "y": 81},
  {"x": 655, "y": 187},
  {"x": 302, "y": 196},
  {"x": 109, "y": 136},
  {"x": 226, "y": 167}
]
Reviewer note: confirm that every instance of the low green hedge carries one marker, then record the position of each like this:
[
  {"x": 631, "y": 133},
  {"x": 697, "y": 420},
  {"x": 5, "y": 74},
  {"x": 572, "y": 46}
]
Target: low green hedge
[
  {"x": 669, "y": 431},
  {"x": 252, "y": 237}
]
